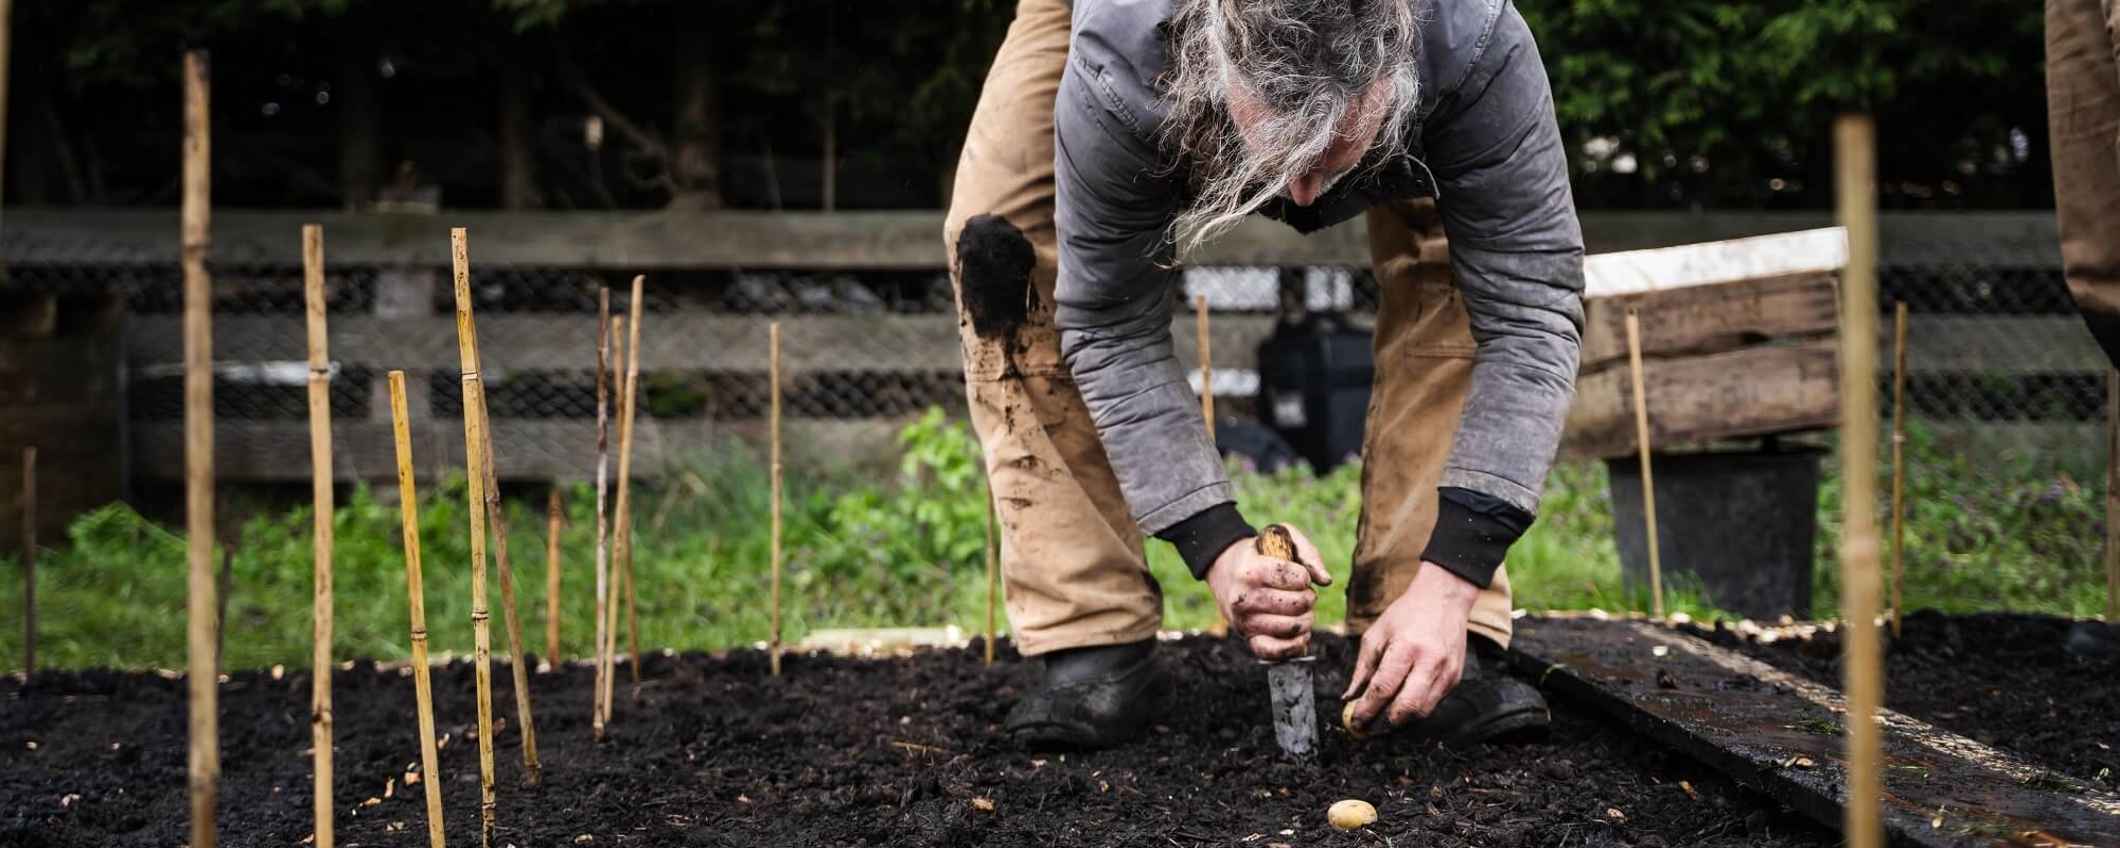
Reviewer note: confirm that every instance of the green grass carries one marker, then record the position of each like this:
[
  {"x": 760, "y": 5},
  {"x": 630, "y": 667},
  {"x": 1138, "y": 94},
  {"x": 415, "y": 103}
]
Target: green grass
[{"x": 908, "y": 551}]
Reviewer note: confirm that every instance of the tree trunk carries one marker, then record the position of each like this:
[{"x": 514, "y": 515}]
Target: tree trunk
[
  {"x": 695, "y": 148},
  {"x": 518, "y": 176},
  {"x": 360, "y": 157}
]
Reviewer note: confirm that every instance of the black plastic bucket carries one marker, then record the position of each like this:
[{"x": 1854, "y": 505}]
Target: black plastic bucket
[{"x": 1738, "y": 525}]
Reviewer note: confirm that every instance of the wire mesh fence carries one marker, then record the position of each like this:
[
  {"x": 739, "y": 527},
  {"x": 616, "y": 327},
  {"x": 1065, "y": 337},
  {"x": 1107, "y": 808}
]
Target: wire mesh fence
[{"x": 1998, "y": 358}]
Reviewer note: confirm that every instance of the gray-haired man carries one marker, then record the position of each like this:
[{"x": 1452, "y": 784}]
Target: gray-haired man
[{"x": 1115, "y": 134}]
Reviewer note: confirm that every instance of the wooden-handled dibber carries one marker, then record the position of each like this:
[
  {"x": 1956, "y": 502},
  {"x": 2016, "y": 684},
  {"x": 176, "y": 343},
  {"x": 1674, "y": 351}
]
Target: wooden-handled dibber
[{"x": 1295, "y": 710}]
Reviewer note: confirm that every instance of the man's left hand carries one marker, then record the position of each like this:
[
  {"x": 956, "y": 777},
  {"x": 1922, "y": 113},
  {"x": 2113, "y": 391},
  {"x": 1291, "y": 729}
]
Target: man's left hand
[{"x": 1414, "y": 653}]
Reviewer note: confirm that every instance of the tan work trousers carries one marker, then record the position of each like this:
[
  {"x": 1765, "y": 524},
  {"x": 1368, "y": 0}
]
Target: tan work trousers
[
  {"x": 2083, "y": 112},
  {"x": 1071, "y": 554}
]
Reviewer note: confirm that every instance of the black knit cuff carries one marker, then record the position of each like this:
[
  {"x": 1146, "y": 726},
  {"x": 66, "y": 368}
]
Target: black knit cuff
[
  {"x": 1206, "y": 535},
  {"x": 1473, "y": 532}
]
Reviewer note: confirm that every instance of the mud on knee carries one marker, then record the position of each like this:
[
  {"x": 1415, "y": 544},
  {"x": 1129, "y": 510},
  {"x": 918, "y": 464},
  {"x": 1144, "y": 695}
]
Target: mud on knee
[{"x": 994, "y": 262}]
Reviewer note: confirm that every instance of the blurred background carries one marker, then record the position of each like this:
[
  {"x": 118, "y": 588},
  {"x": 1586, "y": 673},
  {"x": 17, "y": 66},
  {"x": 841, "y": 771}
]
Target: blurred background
[{"x": 789, "y": 160}]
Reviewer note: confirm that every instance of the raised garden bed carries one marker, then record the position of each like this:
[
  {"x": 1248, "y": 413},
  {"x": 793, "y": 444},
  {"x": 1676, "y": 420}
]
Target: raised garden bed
[
  {"x": 2003, "y": 679},
  {"x": 839, "y": 751}
]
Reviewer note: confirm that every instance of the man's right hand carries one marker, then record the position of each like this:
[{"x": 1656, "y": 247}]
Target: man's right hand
[{"x": 1267, "y": 600}]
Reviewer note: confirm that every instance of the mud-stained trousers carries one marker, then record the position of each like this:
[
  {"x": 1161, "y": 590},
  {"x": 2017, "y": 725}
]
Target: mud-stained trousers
[
  {"x": 2083, "y": 112},
  {"x": 1071, "y": 555}
]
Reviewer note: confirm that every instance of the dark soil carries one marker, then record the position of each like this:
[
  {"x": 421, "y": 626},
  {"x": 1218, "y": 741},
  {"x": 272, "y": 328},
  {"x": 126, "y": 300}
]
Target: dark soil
[
  {"x": 838, "y": 752},
  {"x": 2001, "y": 679}
]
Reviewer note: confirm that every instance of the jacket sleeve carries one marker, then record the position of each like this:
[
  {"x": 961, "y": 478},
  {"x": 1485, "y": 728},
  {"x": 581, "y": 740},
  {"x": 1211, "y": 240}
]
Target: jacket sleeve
[
  {"x": 1517, "y": 251},
  {"x": 1113, "y": 308}
]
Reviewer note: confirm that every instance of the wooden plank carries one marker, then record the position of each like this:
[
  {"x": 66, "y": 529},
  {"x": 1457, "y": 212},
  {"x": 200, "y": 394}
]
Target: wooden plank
[
  {"x": 887, "y": 240},
  {"x": 526, "y": 450},
  {"x": 681, "y": 340},
  {"x": 1714, "y": 263},
  {"x": 1748, "y": 392},
  {"x": 1782, "y": 733},
  {"x": 1710, "y": 319}
]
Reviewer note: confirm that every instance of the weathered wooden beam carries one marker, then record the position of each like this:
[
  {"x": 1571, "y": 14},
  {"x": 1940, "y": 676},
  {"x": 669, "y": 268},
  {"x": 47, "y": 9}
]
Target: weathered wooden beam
[
  {"x": 886, "y": 240},
  {"x": 1782, "y": 733},
  {"x": 1710, "y": 319},
  {"x": 1746, "y": 392}
]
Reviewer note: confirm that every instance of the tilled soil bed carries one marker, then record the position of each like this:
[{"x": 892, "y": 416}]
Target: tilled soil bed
[
  {"x": 837, "y": 752},
  {"x": 2002, "y": 679}
]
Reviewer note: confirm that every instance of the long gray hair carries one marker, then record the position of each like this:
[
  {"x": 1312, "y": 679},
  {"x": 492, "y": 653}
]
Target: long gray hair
[{"x": 1308, "y": 63}]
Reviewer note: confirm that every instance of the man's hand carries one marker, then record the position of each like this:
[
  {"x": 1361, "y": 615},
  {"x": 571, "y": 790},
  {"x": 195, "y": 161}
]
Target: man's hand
[
  {"x": 1413, "y": 655},
  {"x": 1269, "y": 600}
]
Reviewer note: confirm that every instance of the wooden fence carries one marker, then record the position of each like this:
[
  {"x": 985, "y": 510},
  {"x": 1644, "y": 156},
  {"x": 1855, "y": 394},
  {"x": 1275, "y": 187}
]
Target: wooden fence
[{"x": 401, "y": 327}]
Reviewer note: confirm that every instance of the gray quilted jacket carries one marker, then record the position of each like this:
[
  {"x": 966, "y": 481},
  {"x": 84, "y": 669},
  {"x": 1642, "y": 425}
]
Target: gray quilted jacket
[{"x": 1485, "y": 145}]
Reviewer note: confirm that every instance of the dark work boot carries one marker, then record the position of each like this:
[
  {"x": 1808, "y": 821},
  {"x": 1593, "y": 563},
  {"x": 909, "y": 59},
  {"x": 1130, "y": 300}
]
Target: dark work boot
[
  {"x": 1090, "y": 698},
  {"x": 1488, "y": 705}
]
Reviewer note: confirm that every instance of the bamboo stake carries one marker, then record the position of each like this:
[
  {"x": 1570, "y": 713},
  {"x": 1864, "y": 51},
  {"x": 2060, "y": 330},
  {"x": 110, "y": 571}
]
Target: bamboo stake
[
  {"x": 1899, "y": 439},
  {"x": 29, "y": 559},
  {"x": 552, "y": 513},
  {"x": 320, "y": 479},
  {"x": 603, "y": 528},
  {"x": 1641, "y": 437},
  {"x": 475, "y": 460},
  {"x": 634, "y": 308},
  {"x": 609, "y": 646},
  {"x": 2112, "y": 496},
  {"x": 773, "y": 372},
  {"x": 496, "y": 515},
  {"x": 1207, "y": 410},
  {"x": 416, "y": 594},
  {"x": 205, "y": 757},
  {"x": 1855, "y": 155},
  {"x": 992, "y": 578},
  {"x": 627, "y": 403},
  {"x": 1207, "y": 366}
]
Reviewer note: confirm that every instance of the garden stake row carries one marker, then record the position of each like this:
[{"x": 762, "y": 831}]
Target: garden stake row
[
  {"x": 773, "y": 464},
  {"x": 1641, "y": 437},
  {"x": 1899, "y": 439},
  {"x": 1855, "y": 165},
  {"x": 496, "y": 515},
  {"x": 552, "y": 513},
  {"x": 603, "y": 528},
  {"x": 416, "y": 594},
  {"x": 29, "y": 562},
  {"x": 320, "y": 480},
  {"x": 474, "y": 455},
  {"x": 205, "y": 741}
]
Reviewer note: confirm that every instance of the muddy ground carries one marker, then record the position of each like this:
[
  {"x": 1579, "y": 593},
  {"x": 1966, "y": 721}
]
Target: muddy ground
[
  {"x": 838, "y": 752},
  {"x": 2005, "y": 680}
]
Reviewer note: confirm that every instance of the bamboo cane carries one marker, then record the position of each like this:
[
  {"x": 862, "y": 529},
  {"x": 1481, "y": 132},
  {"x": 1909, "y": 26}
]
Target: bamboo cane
[
  {"x": 2112, "y": 496},
  {"x": 1641, "y": 437},
  {"x": 609, "y": 646},
  {"x": 627, "y": 404},
  {"x": 1855, "y": 160},
  {"x": 416, "y": 595},
  {"x": 29, "y": 562},
  {"x": 773, "y": 377},
  {"x": 1207, "y": 366},
  {"x": 552, "y": 513},
  {"x": 320, "y": 478},
  {"x": 1899, "y": 439},
  {"x": 992, "y": 578},
  {"x": 603, "y": 527},
  {"x": 475, "y": 461},
  {"x": 496, "y": 515},
  {"x": 205, "y": 757}
]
